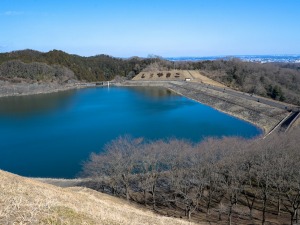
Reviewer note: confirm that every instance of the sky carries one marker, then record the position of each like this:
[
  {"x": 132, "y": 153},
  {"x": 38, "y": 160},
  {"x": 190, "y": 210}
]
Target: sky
[{"x": 168, "y": 28}]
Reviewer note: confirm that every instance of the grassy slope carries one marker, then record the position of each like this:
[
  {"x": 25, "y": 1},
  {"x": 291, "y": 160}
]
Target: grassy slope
[
  {"x": 179, "y": 75},
  {"x": 26, "y": 201}
]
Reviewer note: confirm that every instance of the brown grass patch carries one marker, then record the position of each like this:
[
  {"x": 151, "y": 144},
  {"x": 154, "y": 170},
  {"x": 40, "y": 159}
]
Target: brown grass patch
[{"x": 27, "y": 201}]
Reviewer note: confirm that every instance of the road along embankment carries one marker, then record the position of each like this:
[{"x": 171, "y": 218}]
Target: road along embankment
[{"x": 262, "y": 114}]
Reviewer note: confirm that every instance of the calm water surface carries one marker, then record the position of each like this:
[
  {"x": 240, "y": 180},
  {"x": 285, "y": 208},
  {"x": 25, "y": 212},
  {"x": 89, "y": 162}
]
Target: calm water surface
[{"x": 51, "y": 135}]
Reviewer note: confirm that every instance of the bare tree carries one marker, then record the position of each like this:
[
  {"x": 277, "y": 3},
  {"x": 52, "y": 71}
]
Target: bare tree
[
  {"x": 212, "y": 153},
  {"x": 286, "y": 173},
  {"x": 249, "y": 190},
  {"x": 230, "y": 170},
  {"x": 182, "y": 173},
  {"x": 216, "y": 174},
  {"x": 150, "y": 168},
  {"x": 117, "y": 161}
]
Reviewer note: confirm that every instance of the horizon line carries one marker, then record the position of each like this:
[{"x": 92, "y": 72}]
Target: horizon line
[{"x": 156, "y": 55}]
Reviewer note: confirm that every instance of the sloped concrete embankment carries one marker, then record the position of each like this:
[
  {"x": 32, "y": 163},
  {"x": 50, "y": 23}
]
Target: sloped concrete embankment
[{"x": 264, "y": 116}]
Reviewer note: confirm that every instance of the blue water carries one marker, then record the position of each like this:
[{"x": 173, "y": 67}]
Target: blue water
[{"x": 51, "y": 135}]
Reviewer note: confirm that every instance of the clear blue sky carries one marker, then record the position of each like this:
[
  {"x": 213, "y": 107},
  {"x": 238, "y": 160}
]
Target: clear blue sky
[{"x": 163, "y": 27}]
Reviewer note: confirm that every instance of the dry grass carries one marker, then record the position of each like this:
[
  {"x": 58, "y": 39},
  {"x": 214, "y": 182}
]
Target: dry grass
[
  {"x": 27, "y": 201},
  {"x": 179, "y": 75},
  {"x": 198, "y": 77},
  {"x": 296, "y": 123}
]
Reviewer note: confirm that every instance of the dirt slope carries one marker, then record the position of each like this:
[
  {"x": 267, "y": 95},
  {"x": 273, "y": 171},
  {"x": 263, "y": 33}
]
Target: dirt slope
[{"x": 180, "y": 75}]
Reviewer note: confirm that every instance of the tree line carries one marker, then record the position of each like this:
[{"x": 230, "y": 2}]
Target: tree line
[
  {"x": 16, "y": 71},
  {"x": 279, "y": 81},
  {"x": 95, "y": 68},
  {"x": 228, "y": 179}
]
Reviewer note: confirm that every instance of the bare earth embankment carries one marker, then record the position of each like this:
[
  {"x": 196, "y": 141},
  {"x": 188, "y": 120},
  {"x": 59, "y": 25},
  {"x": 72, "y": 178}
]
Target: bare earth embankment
[
  {"x": 27, "y": 201},
  {"x": 264, "y": 116},
  {"x": 19, "y": 89},
  {"x": 264, "y": 113},
  {"x": 176, "y": 75}
]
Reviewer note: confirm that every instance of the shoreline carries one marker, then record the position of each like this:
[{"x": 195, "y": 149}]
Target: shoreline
[
  {"x": 263, "y": 117},
  {"x": 263, "y": 129},
  {"x": 14, "y": 90},
  {"x": 216, "y": 103}
]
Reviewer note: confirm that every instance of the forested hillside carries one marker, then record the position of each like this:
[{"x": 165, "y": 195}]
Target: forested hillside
[
  {"x": 16, "y": 71},
  {"x": 279, "y": 81},
  {"x": 100, "y": 67}
]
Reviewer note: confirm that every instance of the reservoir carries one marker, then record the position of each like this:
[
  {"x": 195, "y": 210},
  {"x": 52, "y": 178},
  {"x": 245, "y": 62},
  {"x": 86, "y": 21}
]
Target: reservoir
[{"x": 51, "y": 135}]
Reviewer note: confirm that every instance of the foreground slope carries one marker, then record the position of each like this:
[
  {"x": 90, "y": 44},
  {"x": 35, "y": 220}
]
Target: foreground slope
[{"x": 27, "y": 201}]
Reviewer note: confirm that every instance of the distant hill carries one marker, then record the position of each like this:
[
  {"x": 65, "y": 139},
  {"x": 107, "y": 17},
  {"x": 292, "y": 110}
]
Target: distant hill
[
  {"x": 17, "y": 71},
  {"x": 279, "y": 81},
  {"x": 95, "y": 68}
]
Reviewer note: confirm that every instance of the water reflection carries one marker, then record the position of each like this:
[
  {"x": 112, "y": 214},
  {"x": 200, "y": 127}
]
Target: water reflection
[
  {"x": 50, "y": 135},
  {"x": 24, "y": 105},
  {"x": 154, "y": 92}
]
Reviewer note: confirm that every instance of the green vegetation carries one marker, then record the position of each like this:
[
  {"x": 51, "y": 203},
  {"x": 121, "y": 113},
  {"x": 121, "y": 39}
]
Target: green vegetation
[
  {"x": 279, "y": 81},
  {"x": 96, "y": 68},
  {"x": 17, "y": 71}
]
